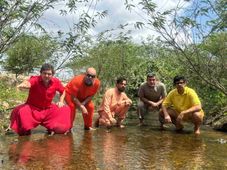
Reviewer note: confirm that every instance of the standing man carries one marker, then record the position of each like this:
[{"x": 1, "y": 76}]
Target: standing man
[
  {"x": 182, "y": 104},
  {"x": 114, "y": 105},
  {"x": 79, "y": 93},
  {"x": 151, "y": 95},
  {"x": 39, "y": 109}
]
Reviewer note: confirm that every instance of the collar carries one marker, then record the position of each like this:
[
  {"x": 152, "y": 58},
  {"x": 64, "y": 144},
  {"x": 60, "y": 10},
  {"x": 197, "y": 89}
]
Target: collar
[
  {"x": 41, "y": 80},
  {"x": 185, "y": 91},
  {"x": 154, "y": 88}
]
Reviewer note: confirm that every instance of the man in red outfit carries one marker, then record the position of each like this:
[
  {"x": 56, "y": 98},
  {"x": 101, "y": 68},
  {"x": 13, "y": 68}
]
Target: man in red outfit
[
  {"x": 39, "y": 109},
  {"x": 79, "y": 93}
]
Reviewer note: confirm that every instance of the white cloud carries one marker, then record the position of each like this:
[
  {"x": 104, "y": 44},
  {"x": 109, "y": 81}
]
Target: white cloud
[{"x": 117, "y": 14}]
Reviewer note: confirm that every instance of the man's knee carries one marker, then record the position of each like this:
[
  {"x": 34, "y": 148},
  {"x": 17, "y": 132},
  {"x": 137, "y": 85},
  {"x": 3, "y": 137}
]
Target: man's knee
[
  {"x": 140, "y": 105},
  {"x": 197, "y": 117},
  {"x": 141, "y": 108}
]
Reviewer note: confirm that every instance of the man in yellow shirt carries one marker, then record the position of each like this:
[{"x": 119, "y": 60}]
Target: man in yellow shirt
[{"x": 182, "y": 104}]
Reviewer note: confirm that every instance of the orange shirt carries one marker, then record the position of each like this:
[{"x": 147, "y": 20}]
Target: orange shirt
[
  {"x": 77, "y": 88},
  {"x": 110, "y": 100}
]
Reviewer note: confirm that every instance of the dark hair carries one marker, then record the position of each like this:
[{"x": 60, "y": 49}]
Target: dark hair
[
  {"x": 151, "y": 75},
  {"x": 47, "y": 66},
  {"x": 120, "y": 80},
  {"x": 178, "y": 78}
]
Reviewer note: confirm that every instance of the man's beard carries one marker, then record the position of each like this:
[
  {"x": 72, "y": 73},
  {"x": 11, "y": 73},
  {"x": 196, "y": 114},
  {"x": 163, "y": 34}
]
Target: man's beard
[
  {"x": 121, "y": 89},
  {"x": 88, "y": 82}
]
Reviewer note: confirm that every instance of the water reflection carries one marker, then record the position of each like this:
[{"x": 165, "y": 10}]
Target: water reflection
[
  {"x": 166, "y": 150},
  {"x": 53, "y": 152},
  {"x": 125, "y": 149},
  {"x": 83, "y": 155},
  {"x": 113, "y": 147},
  {"x": 174, "y": 152}
]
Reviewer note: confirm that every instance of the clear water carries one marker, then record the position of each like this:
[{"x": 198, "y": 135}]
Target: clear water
[{"x": 130, "y": 148}]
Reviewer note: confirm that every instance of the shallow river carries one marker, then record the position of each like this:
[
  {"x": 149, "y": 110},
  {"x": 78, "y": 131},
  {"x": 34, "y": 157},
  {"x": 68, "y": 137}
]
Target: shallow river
[{"x": 130, "y": 148}]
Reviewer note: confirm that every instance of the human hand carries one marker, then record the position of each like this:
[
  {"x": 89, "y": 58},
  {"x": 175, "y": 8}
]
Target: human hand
[
  {"x": 128, "y": 102},
  {"x": 113, "y": 121},
  {"x": 83, "y": 103},
  {"x": 167, "y": 119},
  {"x": 83, "y": 109},
  {"x": 153, "y": 104},
  {"x": 24, "y": 85},
  {"x": 60, "y": 104}
]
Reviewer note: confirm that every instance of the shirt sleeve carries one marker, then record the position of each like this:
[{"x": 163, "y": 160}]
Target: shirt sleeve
[
  {"x": 125, "y": 97},
  {"x": 164, "y": 93},
  {"x": 32, "y": 80},
  {"x": 97, "y": 87},
  {"x": 168, "y": 100},
  {"x": 72, "y": 87},
  {"x": 60, "y": 87},
  {"x": 107, "y": 102},
  {"x": 141, "y": 92},
  {"x": 194, "y": 98}
]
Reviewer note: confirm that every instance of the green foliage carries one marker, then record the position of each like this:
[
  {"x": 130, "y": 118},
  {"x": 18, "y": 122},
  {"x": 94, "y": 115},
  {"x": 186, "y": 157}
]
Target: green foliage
[
  {"x": 113, "y": 59},
  {"x": 197, "y": 35},
  {"x": 123, "y": 58},
  {"x": 27, "y": 53},
  {"x": 18, "y": 16},
  {"x": 10, "y": 95},
  {"x": 9, "y": 98}
]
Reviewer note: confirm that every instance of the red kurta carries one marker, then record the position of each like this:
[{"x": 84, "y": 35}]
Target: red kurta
[{"x": 38, "y": 109}]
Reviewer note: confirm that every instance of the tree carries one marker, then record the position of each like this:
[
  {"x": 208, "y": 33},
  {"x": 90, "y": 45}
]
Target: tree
[
  {"x": 193, "y": 35},
  {"x": 19, "y": 16},
  {"x": 28, "y": 53},
  {"x": 113, "y": 59},
  {"x": 187, "y": 31}
]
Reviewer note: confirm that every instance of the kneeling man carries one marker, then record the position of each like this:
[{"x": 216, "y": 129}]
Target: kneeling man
[
  {"x": 114, "y": 105},
  {"x": 39, "y": 109}
]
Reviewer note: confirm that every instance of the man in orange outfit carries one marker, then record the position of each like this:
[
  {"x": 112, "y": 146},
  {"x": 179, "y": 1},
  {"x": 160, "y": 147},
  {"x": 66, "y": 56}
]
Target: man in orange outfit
[
  {"x": 78, "y": 94},
  {"x": 115, "y": 104}
]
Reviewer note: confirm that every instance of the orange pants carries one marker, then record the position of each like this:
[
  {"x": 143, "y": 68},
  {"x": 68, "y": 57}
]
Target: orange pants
[
  {"x": 87, "y": 117},
  {"x": 118, "y": 112}
]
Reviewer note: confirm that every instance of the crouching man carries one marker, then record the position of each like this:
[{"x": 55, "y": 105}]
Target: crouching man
[
  {"x": 182, "y": 104},
  {"x": 39, "y": 109},
  {"x": 114, "y": 105}
]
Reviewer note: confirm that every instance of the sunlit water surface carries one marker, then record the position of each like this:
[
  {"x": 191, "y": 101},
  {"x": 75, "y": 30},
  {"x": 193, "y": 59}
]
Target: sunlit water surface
[{"x": 130, "y": 148}]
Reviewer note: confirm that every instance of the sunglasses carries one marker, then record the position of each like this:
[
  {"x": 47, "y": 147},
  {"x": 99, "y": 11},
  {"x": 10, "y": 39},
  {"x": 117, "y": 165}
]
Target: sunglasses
[{"x": 91, "y": 76}]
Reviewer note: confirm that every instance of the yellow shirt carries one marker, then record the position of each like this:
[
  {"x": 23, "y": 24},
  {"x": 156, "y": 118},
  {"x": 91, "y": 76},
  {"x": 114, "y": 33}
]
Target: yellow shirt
[{"x": 182, "y": 102}]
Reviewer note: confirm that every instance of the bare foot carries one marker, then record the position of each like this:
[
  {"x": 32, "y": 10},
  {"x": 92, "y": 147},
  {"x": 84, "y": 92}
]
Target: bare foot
[
  {"x": 51, "y": 133},
  {"x": 68, "y": 131},
  {"x": 121, "y": 126},
  {"x": 197, "y": 131},
  {"x": 89, "y": 128},
  {"x": 8, "y": 131}
]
